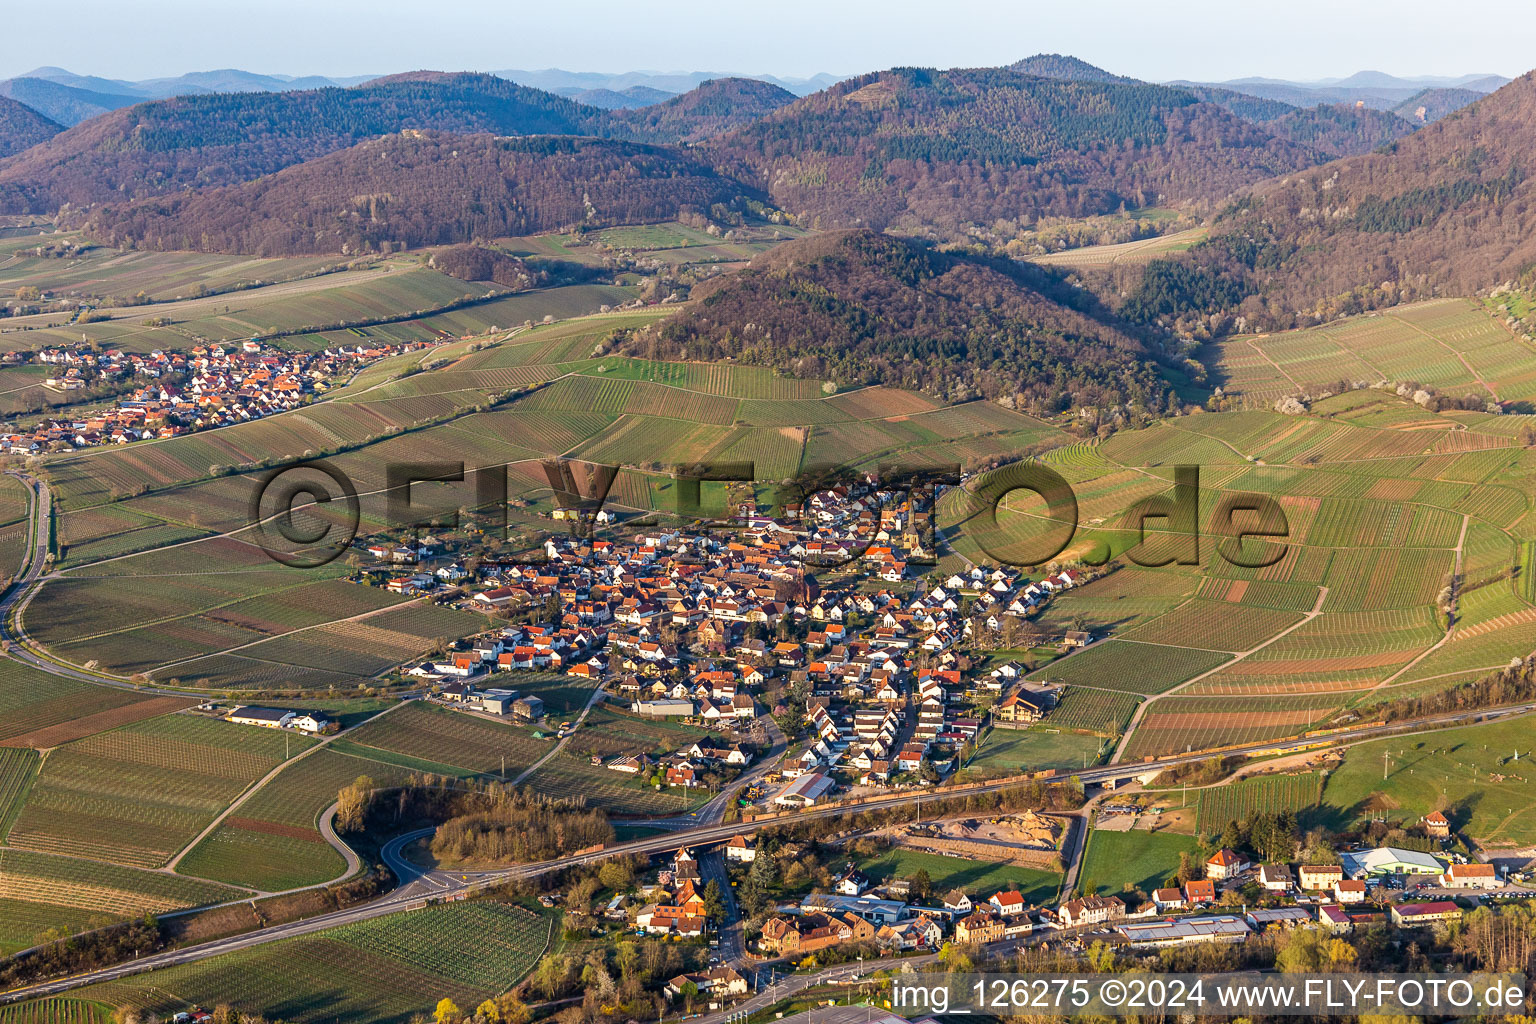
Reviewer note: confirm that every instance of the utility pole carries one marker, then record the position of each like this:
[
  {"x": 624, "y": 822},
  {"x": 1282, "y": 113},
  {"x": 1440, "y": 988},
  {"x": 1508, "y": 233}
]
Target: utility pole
[{"x": 1384, "y": 755}]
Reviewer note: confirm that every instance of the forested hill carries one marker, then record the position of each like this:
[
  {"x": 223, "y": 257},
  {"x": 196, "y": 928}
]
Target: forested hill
[
  {"x": 1333, "y": 129},
  {"x": 1339, "y": 129},
  {"x": 913, "y": 148},
  {"x": 717, "y": 106},
  {"x": 1450, "y": 209},
  {"x": 859, "y": 307},
  {"x": 21, "y": 127},
  {"x": 426, "y": 188},
  {"x": 1065, "y": 67},
  {"x": 220, "y": 139}
]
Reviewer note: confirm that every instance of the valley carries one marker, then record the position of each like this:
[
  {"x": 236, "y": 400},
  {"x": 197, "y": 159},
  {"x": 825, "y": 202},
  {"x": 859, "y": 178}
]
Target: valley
[{"x": 474, "y": 552}]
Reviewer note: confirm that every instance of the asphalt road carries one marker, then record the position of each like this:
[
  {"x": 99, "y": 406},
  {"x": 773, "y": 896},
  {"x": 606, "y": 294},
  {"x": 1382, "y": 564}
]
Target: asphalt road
[
  {"x": 423, "y": 885},
  {"x": 419, "y": 886}
]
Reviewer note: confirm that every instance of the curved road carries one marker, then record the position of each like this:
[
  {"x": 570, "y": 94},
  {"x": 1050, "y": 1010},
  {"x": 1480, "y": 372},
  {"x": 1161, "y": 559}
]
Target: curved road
[
  {"x": 419, "y": 886},
  {"x": 424, "y": 886}
]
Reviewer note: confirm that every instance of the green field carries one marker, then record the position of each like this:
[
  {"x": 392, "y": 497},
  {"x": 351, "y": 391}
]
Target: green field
[
  {"x": 31, "y": 699},
  {"x": 56, "y": 1011},
  {"x": 1450, "y": 770},
  {"x": 1010, "y": 751},
  {"x": 979, "y": 879},
  {"x": 385, "y": 970},
  {"x": 18, "y": 769},
  {"x": 1142, "y": 859}
]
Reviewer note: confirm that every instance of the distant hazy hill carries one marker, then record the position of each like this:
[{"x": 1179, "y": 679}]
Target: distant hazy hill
[
  {"x": 569, "y": 82},
  {"x": 913, "y": 147},
  {"x": 22, "y": 127},
  {"x": 1433, "y": 104},
  {"x": 634, "y": 97},
  {"x": 1449, "y": 209},
  {"x": 1064, "y": 67},
  {"x": 1373, "y": 88},
  {"x": 225, "y": 80},
  {"x": 63, "y": 103},
  {"x": 714, "y": 108},
  {"x": 861, "y": 307},
  {"x": 225, "y": 138},
  {"x": 426, "y": 188}
]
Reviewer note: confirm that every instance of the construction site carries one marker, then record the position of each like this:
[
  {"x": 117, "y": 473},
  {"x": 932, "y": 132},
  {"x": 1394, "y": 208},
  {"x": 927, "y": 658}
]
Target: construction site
[{"x": 1027, "y": 839}]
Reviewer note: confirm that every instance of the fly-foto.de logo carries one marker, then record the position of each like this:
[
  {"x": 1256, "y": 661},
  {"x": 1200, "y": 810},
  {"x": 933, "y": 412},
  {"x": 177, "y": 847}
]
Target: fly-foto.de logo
[{"x": 1022, "y": 514}]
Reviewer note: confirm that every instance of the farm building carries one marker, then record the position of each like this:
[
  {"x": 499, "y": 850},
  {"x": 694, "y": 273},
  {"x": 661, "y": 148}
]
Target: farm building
[
  {"x": 497, "y": 702},
  {"x": 1277, "y": 917},
  {"x": 669, "y": 708},
  {"x": 531, "y": 708},
  {"x": 1316, "y": 877},
  {"x": 267, "y": 718},
  {"x": 315, "y": 722},
  {"x": 1335, "y": 919}
]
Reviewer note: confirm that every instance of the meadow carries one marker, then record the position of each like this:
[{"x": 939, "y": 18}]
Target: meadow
[
  {"x": 1143, "y": 860},
  {"x": 1479, "y": 776},
  {"x": 979, "y": 879},
  {"x": 1010, "y": 751}
]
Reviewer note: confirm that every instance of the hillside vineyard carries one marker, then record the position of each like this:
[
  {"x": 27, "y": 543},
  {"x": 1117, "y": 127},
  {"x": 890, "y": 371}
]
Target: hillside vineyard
[{"x": 592, "y": 547}]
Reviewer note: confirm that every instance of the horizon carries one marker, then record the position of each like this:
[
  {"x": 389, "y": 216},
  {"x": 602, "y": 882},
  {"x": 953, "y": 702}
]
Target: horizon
[
  {"x": 846, "y": 41},
  {"x": 1325, "y": 81}
]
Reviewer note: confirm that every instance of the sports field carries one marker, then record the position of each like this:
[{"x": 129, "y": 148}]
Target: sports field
[
  {"x": 1144, "y": 860},
  {"x": 979, "y": 879}
]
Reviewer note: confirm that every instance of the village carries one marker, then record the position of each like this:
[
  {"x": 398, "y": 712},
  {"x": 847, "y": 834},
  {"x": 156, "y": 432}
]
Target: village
[
  {"x": 877, "y": 669},
  {"x": 164, "y": 393},
  {"x": 873, "y": 663},
  {"x": 856, "y": 917}
]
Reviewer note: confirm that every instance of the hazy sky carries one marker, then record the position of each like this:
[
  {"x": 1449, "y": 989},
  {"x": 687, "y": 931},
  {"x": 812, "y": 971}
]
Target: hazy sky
[{"x": 1203, "y": 39}]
